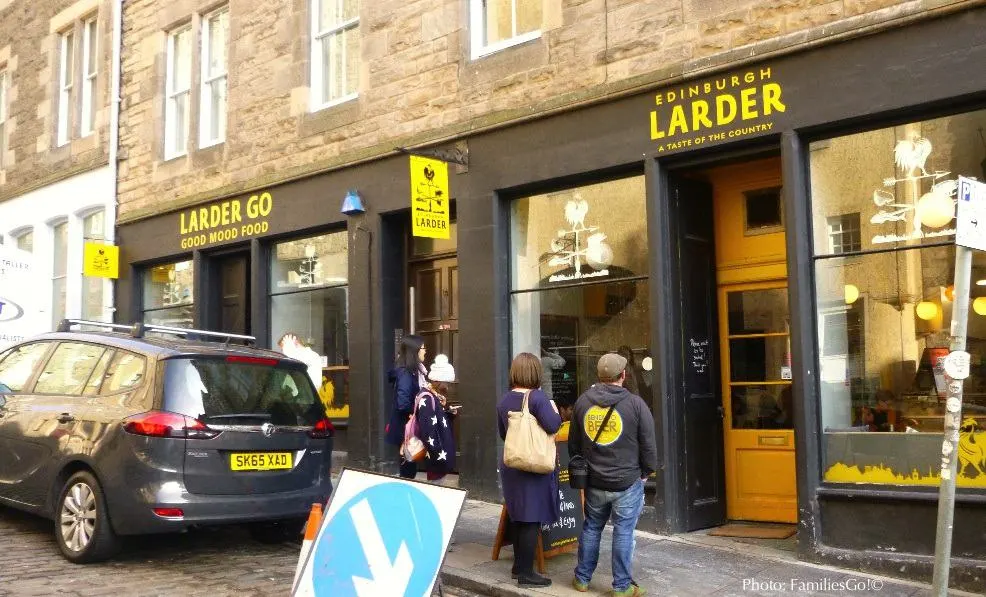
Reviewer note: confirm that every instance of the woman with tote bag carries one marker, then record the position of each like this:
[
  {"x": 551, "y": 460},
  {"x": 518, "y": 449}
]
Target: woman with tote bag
[{"x": 531, "y": 498}]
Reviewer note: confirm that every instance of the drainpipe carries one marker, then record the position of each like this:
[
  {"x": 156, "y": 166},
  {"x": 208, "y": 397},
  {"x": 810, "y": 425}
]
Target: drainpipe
[{"x": 115, "y": 131}]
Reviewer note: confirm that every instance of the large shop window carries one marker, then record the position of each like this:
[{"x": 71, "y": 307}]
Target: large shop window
[
  {"x": 579, "y": 287},
  {"x": 94, "y": 229},
  {"x": 168, "y": 294},
  {"x": 883, "y": 213},
  {"x": 309, "y": 300}
]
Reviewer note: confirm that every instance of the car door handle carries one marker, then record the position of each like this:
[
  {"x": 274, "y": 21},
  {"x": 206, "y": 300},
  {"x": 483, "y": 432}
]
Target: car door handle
[{"x": 65, "y": 418}]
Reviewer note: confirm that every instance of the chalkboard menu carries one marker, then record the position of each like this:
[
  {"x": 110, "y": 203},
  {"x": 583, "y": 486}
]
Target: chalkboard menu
[{"x": 565, "y": 531}]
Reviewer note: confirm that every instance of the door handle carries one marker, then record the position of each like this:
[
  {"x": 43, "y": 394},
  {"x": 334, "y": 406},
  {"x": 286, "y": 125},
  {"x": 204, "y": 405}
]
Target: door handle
[
  {"x": 65, "y": 418},
  {"x": 722, "y": 412}
]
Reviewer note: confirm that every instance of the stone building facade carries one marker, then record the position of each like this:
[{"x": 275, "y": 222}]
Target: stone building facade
[
  {"x": 419, "y": 82},
  {"x": 56, "y": 185}
]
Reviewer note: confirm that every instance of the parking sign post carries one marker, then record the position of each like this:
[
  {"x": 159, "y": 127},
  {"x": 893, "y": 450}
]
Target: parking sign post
[{"x": 970, "y": 235}]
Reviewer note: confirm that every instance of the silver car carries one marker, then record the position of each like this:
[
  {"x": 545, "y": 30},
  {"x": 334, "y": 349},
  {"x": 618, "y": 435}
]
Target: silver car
[{"x": 118, "y": 433}]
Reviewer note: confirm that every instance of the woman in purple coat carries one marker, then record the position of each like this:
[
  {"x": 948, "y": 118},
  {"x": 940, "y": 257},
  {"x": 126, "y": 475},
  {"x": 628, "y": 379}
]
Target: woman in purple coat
[{"x": 531, "y": 498}]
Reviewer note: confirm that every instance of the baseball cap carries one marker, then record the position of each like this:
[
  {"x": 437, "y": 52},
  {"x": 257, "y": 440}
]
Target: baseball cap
[{"x": 610, "y": 366}]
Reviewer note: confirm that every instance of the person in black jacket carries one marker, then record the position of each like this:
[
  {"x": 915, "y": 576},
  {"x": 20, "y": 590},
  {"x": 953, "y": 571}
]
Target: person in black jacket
[
  {"x": 408, "y": 378},
  {"x": 613, "y": 430}
]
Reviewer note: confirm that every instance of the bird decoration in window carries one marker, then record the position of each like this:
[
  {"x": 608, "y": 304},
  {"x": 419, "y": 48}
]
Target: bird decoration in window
[
  {"x": 567, "y": 248},
  {"x": 933, "y": 209}
]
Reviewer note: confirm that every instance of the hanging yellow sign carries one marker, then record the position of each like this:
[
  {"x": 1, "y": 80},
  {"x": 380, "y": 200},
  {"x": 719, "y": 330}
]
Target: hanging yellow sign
[
  {"x": 429, "y": 198},
  {"x": 101, "y": 261}
]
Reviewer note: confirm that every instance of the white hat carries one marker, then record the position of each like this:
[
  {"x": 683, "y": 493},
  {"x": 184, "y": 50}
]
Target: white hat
[{"x": 441, "y": 370}]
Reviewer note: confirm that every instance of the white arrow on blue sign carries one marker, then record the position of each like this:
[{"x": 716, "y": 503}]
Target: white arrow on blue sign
[
  {"x": 971, "y": 216},
  {"x": 381, "y": 536}
]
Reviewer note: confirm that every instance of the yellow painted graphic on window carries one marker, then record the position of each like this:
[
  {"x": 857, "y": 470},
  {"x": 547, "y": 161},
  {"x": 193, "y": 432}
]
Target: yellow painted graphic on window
[
  {"x": 594, "y": 418},
  {"x": 100, "y": 260},
  {"x": 971, "y": 467},
  {"x": 429, "y": 198}
]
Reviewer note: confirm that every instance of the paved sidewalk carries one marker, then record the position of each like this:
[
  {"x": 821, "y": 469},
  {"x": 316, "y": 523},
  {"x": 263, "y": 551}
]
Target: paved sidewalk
[{"x": 680, "y": 565}]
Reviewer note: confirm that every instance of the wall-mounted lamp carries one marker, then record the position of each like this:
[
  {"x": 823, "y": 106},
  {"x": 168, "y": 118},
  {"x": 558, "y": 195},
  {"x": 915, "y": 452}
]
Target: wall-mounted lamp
[
  {"x": 852, "y": 293},
  {"x": 352, "y": 204},
  {"x": 927, "y": 310},
  {"x": 979, "y": 305}
]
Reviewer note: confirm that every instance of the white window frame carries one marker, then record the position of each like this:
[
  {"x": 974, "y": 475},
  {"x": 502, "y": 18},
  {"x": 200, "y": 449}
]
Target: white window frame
[
  {"x": 90, "y": 46},
  {"x": 209, "y": 79},
  {"x": 55, "y": 276},
  {"x": 477, "y": 27},
  {"x": 317, "y": 101},
  {"x": 173, "y": 95},
  {"x": 19, "y": 234},
  {"x": 66, "y": 74},
  {"x": 3, "y": 115},
  {"x": 841, "y": 221}
]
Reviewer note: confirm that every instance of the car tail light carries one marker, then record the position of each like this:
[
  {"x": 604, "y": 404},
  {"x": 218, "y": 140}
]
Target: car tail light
[
  {"x": 170, "y": 512},
  {"x": 165, "y": 424},
  {"x": 252, "y": 360},
  {"x": 322, "y": 430}
]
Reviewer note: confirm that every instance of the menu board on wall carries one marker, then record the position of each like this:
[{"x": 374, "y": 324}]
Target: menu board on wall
[{"x": 559, "y": 346}]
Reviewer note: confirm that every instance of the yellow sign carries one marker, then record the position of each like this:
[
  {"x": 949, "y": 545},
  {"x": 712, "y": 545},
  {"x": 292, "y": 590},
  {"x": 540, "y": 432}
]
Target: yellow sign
[
  {"x": 594, "y": 418},
  {"x": 429, "y": 198},
  {"x": 225, "y": 221},
  {"x": 100, "y": 260},
  {"x": 729, "y": 107}
]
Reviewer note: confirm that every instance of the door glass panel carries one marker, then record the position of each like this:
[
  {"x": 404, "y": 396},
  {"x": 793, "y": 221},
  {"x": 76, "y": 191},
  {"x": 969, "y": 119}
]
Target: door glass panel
[
  {"x": 758, "y": 311},
  {"x": 759, "y": 358},
  {"x": 761, "y": 407},
  {"x": 428, "y": 295},
  {"x": 68, "y": 369}
]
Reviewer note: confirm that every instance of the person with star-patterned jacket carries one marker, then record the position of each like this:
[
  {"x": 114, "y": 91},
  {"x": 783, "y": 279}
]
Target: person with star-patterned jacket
[{"x": 435, "y": 420}]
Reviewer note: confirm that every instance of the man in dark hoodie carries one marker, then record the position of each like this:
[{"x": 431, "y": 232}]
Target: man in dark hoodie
[{"x": 614, "y": 431}]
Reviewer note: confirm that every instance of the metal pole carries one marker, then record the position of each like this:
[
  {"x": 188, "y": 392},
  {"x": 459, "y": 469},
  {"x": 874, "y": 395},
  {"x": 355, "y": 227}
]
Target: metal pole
[{"x": 953, "y": 418}]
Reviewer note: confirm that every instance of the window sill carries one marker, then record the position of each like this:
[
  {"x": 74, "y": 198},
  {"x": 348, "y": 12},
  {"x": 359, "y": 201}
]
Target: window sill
[
  {"x": 911, "y": 493},
  {"x": 210, "y": 144},
  {"x": 505, "y": 44},
  {"x": 172, "y": 157},
  {"x": 336, "y": 102}
]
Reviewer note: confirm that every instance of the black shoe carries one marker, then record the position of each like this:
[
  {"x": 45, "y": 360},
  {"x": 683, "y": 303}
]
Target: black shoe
[{"x": 533, "y": 580}]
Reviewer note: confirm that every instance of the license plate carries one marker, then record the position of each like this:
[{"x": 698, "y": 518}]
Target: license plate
[{"x": 260, "y": 461}]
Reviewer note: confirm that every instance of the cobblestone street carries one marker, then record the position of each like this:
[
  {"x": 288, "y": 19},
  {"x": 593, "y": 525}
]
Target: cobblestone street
[{"x": 214, "y": 562}]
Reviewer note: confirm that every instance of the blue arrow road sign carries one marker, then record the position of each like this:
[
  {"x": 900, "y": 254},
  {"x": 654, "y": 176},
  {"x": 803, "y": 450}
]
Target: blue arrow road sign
[{"x": 387, "y": 540}]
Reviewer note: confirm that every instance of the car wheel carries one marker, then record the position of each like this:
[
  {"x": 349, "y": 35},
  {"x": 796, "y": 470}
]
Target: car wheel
[
  {"x": 82, "y": 525},
  {"x": 278, "y": 531}
]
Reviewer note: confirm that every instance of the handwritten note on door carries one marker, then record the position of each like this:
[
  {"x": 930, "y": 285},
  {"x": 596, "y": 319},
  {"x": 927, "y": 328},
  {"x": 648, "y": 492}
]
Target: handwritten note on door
[{"x": 699, "y": 356}]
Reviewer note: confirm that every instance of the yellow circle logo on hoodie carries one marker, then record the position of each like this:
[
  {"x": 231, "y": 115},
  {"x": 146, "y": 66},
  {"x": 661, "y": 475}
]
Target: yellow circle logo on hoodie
[{"x": 594, "y": 418}]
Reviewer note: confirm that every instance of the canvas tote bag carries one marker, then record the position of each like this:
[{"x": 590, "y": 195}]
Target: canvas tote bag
[{"x": 528, "y": 447}]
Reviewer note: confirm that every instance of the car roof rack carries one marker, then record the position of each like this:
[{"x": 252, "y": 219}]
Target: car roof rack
[{"x": 138, "y": 330}]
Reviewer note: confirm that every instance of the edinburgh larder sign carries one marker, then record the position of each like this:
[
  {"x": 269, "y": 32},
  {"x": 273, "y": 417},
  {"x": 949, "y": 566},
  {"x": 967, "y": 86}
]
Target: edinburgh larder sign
[{"x": 725, "y": 108}]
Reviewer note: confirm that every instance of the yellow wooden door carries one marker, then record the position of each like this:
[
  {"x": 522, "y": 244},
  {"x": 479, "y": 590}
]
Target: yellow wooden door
[{"x": 754, "y": 324}]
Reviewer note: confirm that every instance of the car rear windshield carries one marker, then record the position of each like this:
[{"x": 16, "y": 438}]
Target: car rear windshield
[{"x": 219, "y": 392}]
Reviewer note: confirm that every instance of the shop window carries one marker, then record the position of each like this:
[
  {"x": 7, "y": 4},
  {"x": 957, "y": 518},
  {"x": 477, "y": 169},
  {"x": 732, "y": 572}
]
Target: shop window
[
  {"x": 335, "y": 52},
  {"x": 499, "y": 24},
  {"x": 844, "y": 234},
  {"x": 215, "y": 32},
  {"x": 763, "y": 211},
  {"x": 579, "y": 283},
  {"x": 168, "y": 294},
  {"x": 178, "y": 83},
  {"x": 93, "y": 229},
  {"x": 309, "y": 301},
  {"x": 59, "y": 272},
  {"x": 884, "y": 313}
]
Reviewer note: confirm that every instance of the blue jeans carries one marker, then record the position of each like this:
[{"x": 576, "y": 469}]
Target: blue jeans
[{"x": 625, "y": 507}]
